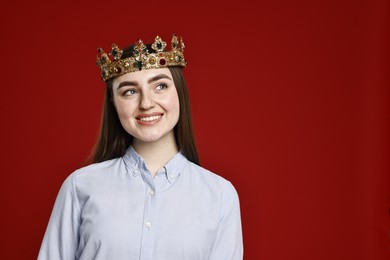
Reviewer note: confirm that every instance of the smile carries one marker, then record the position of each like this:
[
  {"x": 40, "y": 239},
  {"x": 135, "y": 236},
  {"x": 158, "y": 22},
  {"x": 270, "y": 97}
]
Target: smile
[{"x": 149, "y": 118}]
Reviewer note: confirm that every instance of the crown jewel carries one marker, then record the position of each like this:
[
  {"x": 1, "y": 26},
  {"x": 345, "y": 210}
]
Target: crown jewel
[{"x": 141, "y": 58}]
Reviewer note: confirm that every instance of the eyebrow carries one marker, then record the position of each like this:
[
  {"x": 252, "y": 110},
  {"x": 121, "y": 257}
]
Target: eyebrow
[{"x": 135, "y": 83}]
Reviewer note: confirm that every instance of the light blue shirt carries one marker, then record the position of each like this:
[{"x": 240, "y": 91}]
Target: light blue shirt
[{"x": 115, "y": 210}]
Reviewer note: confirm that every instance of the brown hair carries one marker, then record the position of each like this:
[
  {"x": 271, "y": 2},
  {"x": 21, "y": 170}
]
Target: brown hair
[{"x": 113, "y": 140}]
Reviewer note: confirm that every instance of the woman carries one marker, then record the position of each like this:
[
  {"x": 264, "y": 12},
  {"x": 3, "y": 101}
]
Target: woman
[{"x": 145, "y": 196}]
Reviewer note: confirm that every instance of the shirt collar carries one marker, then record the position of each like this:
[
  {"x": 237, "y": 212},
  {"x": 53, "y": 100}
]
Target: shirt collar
[{"x": 135, "y": 163}]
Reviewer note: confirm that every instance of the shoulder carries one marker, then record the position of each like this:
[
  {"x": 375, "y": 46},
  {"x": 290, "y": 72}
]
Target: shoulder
[
  {"x": 94, "y": 178},
  {"x": 211, "y": 180},
  {"x": 213, "y": 191},
  {"x": 96, "y": 170},
  {"x": 94, "y": 174},
  {"x": 98, "y": 167}
]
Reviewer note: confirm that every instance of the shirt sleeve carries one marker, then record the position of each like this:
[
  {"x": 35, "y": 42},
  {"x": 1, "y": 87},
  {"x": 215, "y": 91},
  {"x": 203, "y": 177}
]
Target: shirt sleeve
[
  {"x": 61, "y": 238},
  {"x": 228, "y": 244}
]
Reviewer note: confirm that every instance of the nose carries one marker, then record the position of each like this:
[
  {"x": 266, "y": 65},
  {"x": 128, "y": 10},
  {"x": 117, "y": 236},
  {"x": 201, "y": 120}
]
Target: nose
[{"x": 146, "y": 102}]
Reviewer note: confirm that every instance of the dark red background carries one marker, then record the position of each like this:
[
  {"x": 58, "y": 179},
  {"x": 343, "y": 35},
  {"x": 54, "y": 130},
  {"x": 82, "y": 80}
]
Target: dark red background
[{"x": 289, "y": 98}]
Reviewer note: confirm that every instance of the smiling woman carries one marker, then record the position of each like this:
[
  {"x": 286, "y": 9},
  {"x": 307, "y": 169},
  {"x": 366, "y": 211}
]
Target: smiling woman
[{"x": 145, "y": 195}]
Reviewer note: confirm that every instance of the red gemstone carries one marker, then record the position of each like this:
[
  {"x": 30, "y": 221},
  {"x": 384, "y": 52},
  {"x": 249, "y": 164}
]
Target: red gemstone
[
  {"x": 118, "y": 70},
  {"x": 162, "y": 61}
]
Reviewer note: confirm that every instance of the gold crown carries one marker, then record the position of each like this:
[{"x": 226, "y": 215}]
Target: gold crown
[{"x": 141, "y": 58}]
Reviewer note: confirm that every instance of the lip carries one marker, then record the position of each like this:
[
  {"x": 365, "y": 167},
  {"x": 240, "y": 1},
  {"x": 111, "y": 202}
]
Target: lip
[{"x": 151, "y": 121}]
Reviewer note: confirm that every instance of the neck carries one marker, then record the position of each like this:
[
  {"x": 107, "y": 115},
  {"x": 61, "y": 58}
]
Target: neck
[{"x": 156, "y": 154}]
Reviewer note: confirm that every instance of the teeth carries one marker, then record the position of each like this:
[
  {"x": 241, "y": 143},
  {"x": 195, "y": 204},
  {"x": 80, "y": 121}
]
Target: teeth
[{"x": 150, "y": 118}]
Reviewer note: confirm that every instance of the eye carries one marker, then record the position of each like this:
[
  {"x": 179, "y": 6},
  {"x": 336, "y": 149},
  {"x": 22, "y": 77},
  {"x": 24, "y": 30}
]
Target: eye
[
  {"x": 161, "y": 86},
  {"x": 129, "y": 92}
]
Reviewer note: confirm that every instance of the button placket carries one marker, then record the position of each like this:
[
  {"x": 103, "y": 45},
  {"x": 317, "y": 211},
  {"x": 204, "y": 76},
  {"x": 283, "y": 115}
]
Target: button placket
[{"x": 149, "y": 213}]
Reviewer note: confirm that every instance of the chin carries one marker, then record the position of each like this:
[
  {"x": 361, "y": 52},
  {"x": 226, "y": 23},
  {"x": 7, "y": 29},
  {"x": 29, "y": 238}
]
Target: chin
[
  {"x": 154, "y": 136},
  {"x": 148, "y": 139}
]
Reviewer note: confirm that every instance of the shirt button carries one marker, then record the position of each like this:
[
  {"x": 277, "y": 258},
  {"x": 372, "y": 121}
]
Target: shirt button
[
  {"x": 148, "y": 225},
  {"x": 151, "y": 192},
  {"x": 135, "y": 172}
]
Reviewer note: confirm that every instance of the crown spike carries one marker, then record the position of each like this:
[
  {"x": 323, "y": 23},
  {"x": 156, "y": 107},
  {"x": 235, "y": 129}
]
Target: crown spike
[
  {"x": 159, "y": 45},
  {"x": 116, "y": 53},
  {"x": 103, "y": 60},
  {"x": 182, "y": 43},
  {"x": 139, "y": 48},
  {"x": 174, "y": 42}
]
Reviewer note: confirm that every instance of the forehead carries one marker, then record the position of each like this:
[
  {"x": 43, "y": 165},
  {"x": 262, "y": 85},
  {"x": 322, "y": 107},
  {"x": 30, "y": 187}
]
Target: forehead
[{"x": 141, "y": 76}]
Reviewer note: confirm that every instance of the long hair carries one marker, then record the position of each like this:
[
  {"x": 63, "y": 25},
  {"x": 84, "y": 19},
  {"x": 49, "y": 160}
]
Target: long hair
[{"x": 113, "y": 140}]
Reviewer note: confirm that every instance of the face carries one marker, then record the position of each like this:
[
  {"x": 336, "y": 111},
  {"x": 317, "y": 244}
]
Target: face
[{"x": 147, "y": 104}]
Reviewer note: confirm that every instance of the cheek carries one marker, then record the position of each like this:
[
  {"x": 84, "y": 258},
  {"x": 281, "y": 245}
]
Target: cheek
[
  {"x": 174, "y": 106},
  {"x": 123, "y": 109}
]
